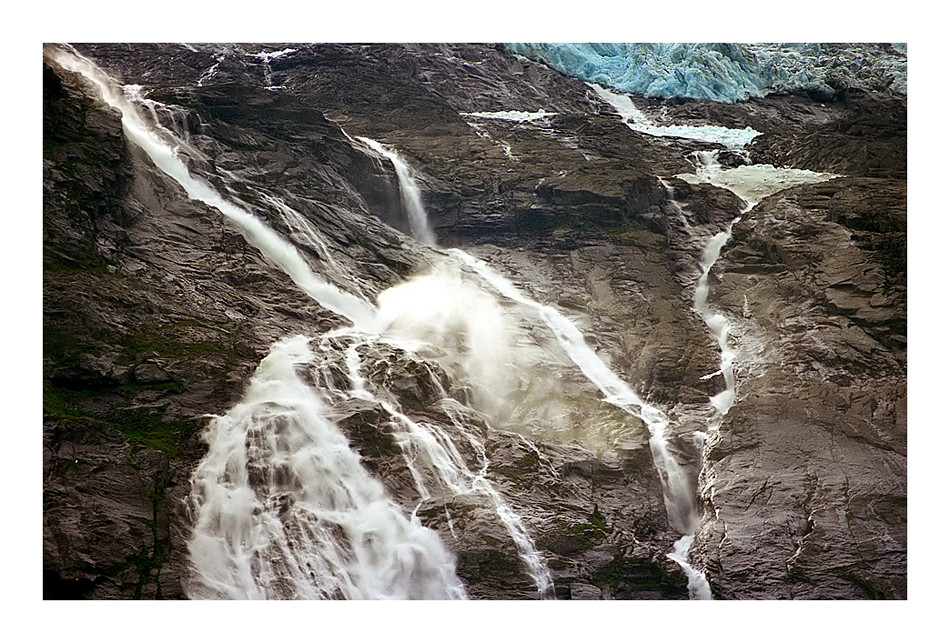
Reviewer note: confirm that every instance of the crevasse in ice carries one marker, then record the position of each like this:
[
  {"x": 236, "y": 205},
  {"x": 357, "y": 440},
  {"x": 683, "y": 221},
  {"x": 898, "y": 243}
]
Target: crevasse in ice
[{"x": 725, "y": 72}]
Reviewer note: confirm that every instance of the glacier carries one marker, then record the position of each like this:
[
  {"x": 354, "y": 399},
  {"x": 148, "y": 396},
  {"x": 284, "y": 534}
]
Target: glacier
[{"x": 727, "y": 73}]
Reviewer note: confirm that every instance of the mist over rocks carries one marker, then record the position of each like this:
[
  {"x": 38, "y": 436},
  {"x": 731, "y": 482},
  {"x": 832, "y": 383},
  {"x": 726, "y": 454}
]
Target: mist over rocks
[{"x": 157, "y": 311}]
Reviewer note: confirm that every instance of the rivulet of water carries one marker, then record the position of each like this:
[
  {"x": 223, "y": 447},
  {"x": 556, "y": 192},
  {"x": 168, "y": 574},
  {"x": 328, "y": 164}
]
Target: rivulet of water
[{"x": 751, "y": 183}]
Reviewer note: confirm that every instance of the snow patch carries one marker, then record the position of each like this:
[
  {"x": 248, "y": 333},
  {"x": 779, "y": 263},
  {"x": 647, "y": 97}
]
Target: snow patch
[
  {"x": 751, "y": 183},
  {"x": 640, "y": 122},
  {"x": 510, "y": 115}
]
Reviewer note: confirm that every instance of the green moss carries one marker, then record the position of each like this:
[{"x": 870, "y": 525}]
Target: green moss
[
  {"x": 185, "y": 340},
  {"x": 63, "y": 346},
  {"x": 529, "y": 463},
  {"x": 52, "y": 145},
  {"x": 143, "y": 425},
  {"x": 62, "y": 403},
  {"x": 149, "y": 564},
  {"x": 129, "y": 391},
  {"x": 589, "y": 533},
  {"x": 597, "y": 519},
  {"x": 146, "y": 427},
  {"x": 634, "y": 574},
  {"x": 94, "y": 266}
]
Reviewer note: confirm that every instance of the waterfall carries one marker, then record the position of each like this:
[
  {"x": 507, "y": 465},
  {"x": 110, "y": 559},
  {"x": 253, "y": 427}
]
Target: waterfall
[
  {"x": 161, "y": 147},
  {"x": 410, "y": 193},
  {"x": 716, "y": 322},
  {"x": 679, "y": 496},
  {"x": 751, "y": 183},
  {"x": 265, "y": 57},
  {"x": 434, "y": 461},
  {"x": 429, "y": 308},
  {"x": 285, "y": 509}
]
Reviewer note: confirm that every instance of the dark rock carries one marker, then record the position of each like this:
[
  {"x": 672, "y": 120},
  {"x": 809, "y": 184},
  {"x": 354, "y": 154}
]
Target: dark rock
[
  {"x": 817, "y": 439},
  {"x": 156, "y": 311}
]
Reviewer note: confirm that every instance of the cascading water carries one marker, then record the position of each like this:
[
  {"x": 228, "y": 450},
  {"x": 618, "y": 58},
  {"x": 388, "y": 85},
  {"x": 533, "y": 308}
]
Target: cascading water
[
  {"x": 268, "y": 523},
  {"x": 285, "y": 509},
  {"x": 750, "y": 183},
  {"x": 282, "y": 505},
  {"x": 678, "y": 492},
  {"x": 439, "y": 469},
  {"x": 409, "y": 190},
  {"x": 160, "y": 145},
  {"x": 445, "y": 312},
  {"x": 265, "y": 57}
]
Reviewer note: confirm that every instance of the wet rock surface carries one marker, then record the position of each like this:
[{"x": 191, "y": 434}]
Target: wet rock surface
[
  {"x": 805, "y": 484},
  {"x": 156, "y": 311}
]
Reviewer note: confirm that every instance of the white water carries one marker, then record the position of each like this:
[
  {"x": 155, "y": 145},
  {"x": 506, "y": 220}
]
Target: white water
[
  {"x": 161, "y": 147},
  {"x": 269, "y": 524},
  {"x": 467, "y": 326},
  {"x": 708, "y": 170},
  {"x": 717, "y": 323},
  {"x": 464, "y": 321},
  {"x": 639, "y": 122},
  {"x": 282, "y": 506},
  {"x": 266, "y": 57},
  {"x": 285, "y": 509},
  {"x": 410, "y": 193},
  {"x": 697, "y": 585},
  {"x": 678, "y": 495},
  {"x": 678, "y": 492},
  {"x": 751, "y": 183},
  {"x": 438, "y": 468}
]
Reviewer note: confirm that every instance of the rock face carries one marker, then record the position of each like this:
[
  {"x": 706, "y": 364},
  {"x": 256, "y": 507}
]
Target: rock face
[
  {"x": 157, "y": 310},
  {"x": 822, "y": 302},
  {"x": 150, "y": 309}
]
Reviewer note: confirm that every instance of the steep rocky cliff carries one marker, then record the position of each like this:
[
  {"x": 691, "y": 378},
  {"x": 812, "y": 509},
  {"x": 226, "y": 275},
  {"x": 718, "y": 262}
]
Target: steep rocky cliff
[{"x": 157, "y": 310}]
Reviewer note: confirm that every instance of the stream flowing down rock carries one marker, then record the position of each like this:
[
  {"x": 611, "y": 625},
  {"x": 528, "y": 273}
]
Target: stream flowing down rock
[{"x": 467, "y": 453}]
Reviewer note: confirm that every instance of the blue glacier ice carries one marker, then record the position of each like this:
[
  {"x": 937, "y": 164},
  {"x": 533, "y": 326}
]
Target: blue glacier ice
[{"x": 726, "y": 72}]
